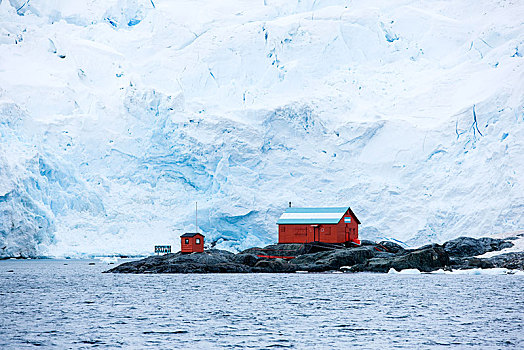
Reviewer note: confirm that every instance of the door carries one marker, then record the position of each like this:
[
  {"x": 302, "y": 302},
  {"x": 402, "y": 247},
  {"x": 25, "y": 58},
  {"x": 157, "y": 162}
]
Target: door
[
  {"x": 347, "y": 233},
  {"x": 310, "y": 236}
]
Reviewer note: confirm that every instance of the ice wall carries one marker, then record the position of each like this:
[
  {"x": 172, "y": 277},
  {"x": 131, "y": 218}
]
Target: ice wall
[{"x": 116, "y": 116}]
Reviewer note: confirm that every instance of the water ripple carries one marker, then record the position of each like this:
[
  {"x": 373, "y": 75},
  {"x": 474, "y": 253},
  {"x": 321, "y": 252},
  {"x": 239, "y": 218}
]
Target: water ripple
[{"x": 49, "y": 304}]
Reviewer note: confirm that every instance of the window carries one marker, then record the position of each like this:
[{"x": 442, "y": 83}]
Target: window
[
  {"x": 186, "y": 241},
  {"x": 197, "y": 241},
  {"x": 283, "y": 228}
]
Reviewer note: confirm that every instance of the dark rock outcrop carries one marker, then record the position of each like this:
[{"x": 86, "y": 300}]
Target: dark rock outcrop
[
  {"x": 334, "y": 260},
  {"x": 514, "y": 260},
  {"x": 391, "y": 247},
  {"x": 211, "y": 261},
  {"x": 466, "y": 246},
  {"x": 274, "y": 265},
  {"x": 425, "y": 259},
  {"x": 373, "y": 257},
  {"x": 248, "y": 259}
]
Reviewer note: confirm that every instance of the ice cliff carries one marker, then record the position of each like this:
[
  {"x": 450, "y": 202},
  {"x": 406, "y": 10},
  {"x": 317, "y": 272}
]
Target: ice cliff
[{"x": 116, "y": 116}]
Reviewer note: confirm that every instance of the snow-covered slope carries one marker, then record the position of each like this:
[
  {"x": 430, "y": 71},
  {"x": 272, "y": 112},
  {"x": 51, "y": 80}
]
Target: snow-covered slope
[{"x": 116, "y": 116}]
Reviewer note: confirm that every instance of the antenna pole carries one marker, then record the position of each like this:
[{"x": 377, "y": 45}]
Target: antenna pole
[{"x": 196, "y": 217}]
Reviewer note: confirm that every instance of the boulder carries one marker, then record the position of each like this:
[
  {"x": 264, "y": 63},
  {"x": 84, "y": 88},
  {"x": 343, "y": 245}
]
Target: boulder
[
  {"x": 392, "y": 247},
  {"x": 274, "y": 265},
  {"x": 284, "y": 249},
  {"x": 346, "y": 257},
  {"x": 247, "y": 259},
  {"x": 514, "y": 260},
  {"x": 254, "y": 250},
  {"x": 309, "y": 259},
  {"x": 467, "y": 246},
  {"x": 425, "y": 259},
  {"x": 335, "y": 259}
]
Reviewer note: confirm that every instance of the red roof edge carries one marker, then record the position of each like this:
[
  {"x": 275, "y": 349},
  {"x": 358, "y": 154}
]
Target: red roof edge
[
  {"x": 191, "y": 234},
  {"x": 351, "y": 212}
]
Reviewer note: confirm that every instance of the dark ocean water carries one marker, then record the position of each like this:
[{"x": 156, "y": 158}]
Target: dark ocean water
[{"x": 50, "y": 304}]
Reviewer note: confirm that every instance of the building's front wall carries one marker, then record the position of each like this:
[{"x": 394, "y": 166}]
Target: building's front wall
[
  {"x": 191, "y": 246},
  {"x": 327, "y": 233}
]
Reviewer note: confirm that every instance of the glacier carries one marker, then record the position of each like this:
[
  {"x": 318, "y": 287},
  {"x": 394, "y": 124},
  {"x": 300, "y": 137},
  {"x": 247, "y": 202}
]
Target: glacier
[{"x": 117, "y": 116}]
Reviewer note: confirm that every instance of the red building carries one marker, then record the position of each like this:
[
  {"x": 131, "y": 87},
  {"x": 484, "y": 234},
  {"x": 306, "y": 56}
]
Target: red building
[
  {"x": 327, "y": 225},
  {"x": 192, "y": 243}
]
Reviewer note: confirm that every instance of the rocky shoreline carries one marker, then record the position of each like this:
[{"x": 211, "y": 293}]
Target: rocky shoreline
[{"x": 460, "y": 253}]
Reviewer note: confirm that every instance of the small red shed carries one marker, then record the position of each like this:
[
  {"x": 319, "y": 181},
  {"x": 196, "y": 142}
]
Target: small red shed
[
  {"x": 192, "y": 243},
  {"x": 327, "y": 225}
]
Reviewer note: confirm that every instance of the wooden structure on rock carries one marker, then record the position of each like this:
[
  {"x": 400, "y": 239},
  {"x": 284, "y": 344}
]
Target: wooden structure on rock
[
  {"x": 326, "y": 225},
  {"x": 192, "y": 243}
]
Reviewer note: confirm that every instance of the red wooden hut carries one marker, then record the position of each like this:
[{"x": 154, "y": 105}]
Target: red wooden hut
[
  {"x": 327, "y": 225},
  {"x": 192, "y": 243}
]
